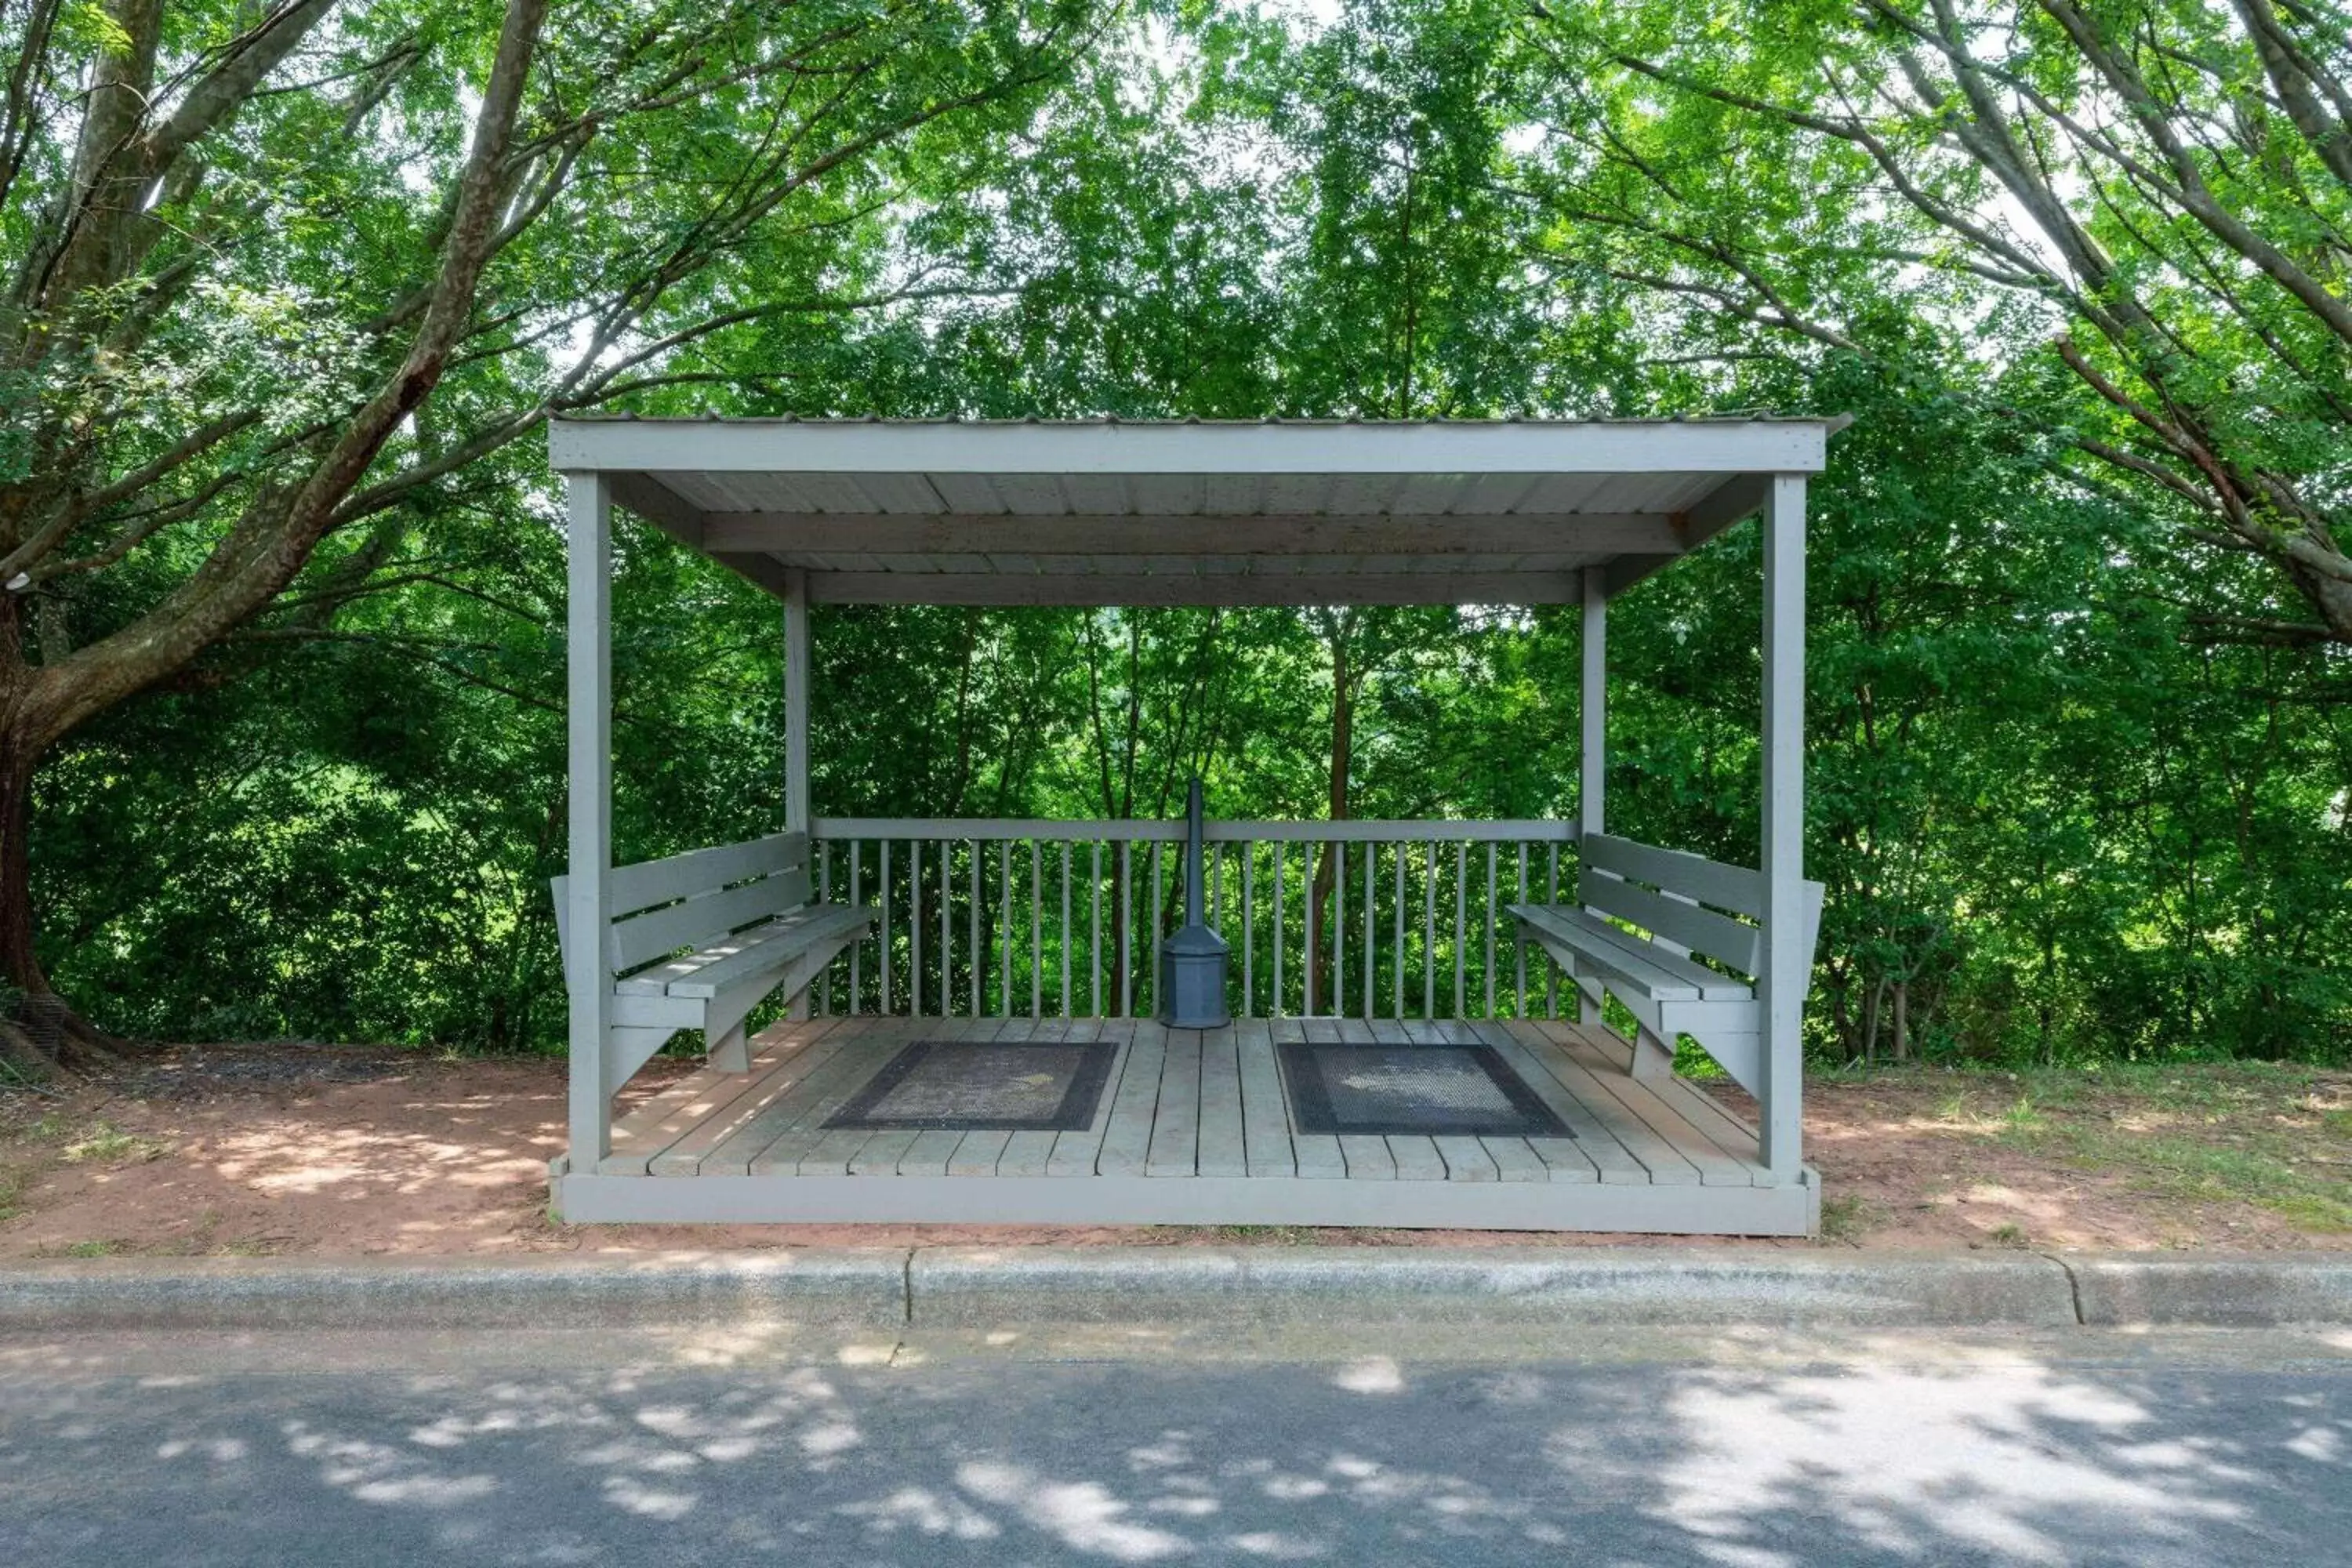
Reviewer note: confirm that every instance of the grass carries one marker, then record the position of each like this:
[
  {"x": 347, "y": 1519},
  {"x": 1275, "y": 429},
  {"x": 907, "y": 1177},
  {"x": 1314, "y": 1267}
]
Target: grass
[
  {"x": 2276, "y": 1137},
  {"x": 1844, "y": 1217},
  {"x": 107, "y": 1144}
]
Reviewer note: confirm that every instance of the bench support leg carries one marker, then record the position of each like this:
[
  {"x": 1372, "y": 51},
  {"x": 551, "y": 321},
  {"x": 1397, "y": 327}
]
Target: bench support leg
[
  {"x": 732, "y": 1052},
  {"x": 1654, "y": 1060}
]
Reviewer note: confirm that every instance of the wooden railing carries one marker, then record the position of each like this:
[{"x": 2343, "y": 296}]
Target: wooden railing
[{"x": 1375, "y": 920}]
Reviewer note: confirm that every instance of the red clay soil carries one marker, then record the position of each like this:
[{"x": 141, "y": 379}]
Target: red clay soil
[{"x": 304, "y": 1150}]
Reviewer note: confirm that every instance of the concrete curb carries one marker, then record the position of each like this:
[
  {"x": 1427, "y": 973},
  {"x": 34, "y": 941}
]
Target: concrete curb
[
  {"x": 850, "y": 1288},
  {"x": 986, "y": 1287},
  {"x": 977, "y": 1288},
  {"x": 2123, "y": 1291}
]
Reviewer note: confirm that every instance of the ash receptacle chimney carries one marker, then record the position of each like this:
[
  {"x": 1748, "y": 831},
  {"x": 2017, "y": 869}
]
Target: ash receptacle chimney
[{"x": 1192, "y": 959}]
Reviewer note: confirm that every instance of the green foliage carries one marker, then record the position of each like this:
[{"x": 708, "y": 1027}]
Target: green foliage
[{"x": 2059, "y": 822}]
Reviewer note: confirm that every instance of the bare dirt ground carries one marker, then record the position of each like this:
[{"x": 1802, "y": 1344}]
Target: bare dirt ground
[{"x": 303, "y": 1149}]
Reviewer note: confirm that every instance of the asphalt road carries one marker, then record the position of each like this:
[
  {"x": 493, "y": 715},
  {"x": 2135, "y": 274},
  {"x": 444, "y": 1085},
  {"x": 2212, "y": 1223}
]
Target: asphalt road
[{"x": 1395, "y": 1448}]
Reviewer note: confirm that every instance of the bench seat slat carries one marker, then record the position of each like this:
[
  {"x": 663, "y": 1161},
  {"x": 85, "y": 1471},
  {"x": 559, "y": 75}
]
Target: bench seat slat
[
  {"x": 1660, "y": 975},
  {"x": 778, "y": 942}
]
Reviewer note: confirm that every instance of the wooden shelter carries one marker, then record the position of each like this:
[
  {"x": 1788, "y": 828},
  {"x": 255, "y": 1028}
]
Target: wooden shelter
[{"x": 885, "y": 934}]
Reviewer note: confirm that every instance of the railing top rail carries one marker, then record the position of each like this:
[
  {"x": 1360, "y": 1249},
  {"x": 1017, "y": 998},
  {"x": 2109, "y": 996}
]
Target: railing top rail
[{"x": 1388, "y": 831}]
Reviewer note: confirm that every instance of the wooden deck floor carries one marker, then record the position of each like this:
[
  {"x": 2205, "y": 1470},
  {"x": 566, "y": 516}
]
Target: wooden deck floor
[{"x": 1194, "y": 1126}]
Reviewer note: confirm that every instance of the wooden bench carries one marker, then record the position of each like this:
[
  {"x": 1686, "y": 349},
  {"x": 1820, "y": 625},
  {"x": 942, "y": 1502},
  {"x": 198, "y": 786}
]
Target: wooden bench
[
  {"x": 1691, "y": 908},
  {"x": 696, "y": 941}
]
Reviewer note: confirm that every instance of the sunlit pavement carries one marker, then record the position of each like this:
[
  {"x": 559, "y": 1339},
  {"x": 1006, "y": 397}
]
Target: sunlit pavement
[{"x": 1459, "y": 1448}]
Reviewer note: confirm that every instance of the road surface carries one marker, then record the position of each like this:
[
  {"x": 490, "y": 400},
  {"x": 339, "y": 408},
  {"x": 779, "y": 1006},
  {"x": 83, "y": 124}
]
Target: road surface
[{"x": 1388, "y": 1447}]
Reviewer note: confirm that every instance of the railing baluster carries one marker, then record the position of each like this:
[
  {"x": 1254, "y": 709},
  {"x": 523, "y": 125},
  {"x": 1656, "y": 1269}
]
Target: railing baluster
[
  {"x": 1158, "y": 928},
  {"x": 1551, "y": 969},
  {"x": 973, "y": 960},
  {"x": 1094, "y": 960},
  {"x": 1397, "y": 987},
  {"x": 1519, "y": 949},
  {"x": 1429, "y": 936},
  {"x": 1067, "y": 945},
  {"x": 914, "y": 927},
  {"x": 1126, "y": 934},
  {"x": 1338, "y": 999},
  {"x": 1036, "y": 929},
  {"x": 1005, "y": 928},
  {"x": 882, "y": 964},
  {"x": 857, "y": 949},
  {"x": 947, "y": 930},
  {"x": 1372, "y": 928},
  {"x": 1275, "y": 1010},
  {"x": 1460, "y": 918},
  {"x": 1490, "y": 928},
  {"x": 1249, "y": 938},
  {"x": 824, "y": 896}
]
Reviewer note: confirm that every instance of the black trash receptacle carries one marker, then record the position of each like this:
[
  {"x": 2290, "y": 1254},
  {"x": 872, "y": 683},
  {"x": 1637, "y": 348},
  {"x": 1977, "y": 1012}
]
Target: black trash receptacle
[{"x": 1192, "y": 959}]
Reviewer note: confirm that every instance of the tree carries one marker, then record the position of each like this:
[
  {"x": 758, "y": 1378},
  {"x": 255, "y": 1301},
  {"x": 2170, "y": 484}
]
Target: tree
[
  {"x": 2146, "y": 204},
  {"x": 283, "y": 280}
]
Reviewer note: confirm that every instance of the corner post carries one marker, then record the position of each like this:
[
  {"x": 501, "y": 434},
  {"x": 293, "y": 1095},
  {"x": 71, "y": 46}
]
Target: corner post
[
  {"x": 1593, "y": 754},
  {"x": 1786, "y": 966},
  {"x": 796, "y": 727},
  {"x": 588, "y": 714}
]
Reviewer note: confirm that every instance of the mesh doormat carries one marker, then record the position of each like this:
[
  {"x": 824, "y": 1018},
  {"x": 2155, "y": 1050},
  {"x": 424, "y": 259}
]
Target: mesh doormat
[
  {"x": 1433, "y": 1090},
  {"x": 984, "y": 1085}
]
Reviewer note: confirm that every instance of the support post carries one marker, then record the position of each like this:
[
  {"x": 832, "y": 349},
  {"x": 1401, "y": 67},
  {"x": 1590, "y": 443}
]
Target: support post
[
  {"x": 1786, "y": 966},
  {"x": 796, "y": 701},
  {"x": 1592, "y": 760},
  {"x": 796, "y": 723},
  {"x": 588, "y": 717}
]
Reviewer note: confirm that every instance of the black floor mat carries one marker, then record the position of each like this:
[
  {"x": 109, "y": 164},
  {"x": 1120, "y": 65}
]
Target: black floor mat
[
  {"x": 984, "y": 1085},
  {"x": 1412, "y": 1089}
]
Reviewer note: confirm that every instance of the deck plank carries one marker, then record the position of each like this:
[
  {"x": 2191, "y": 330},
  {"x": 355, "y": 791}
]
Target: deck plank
[
  {"x": 693, "y": 1149},
  {"x": 1028, "y": 1154},
  {"x": 1418, "y": 1159},
  {"x": 795, "y": 1118},
  {"x": 1666, "y": 1165},
  {"x": 1318, "y": 1155},
  {"x": 1265, "y": 1120},
  {"x": 883, "y": 1148},
  {"x": 1364, "y": 1158},
  {"x": 1515, "y": 1160},
  {"x": 1225, "y": 1152},
  {"x": 1127, "y": 1141},
  {"x": 927, "y": 1150},
  {"x": 1716, "y": 1167},
  {"x": 984, "y": 1148},
  {"x": 1175, "y": 1148},
  {"x": 1604, "y": 1159},
  {"x": 661, "y": 1122},
  {"x": 1075, "y": 1154}
]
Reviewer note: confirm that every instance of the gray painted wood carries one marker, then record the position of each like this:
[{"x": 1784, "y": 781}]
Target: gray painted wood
[
  {"x": 1657, "y": 1152},
  {"x": 1787, "y": 967},
  {"x": 1265, "y": 1118},
  {"x": 1175, "y": 1148},
  {"x": 1224, "y": 1145},
  {"x": 1032, "y": 1153},
  {"x": 1001, "y": 450},
  {"x": 1110, "y": 543},
  {"x": 1127, "y": 1141},
  {"x": 588, "y": 724},
  {"x": 1416, "y": 1159},
  {"x": 928, "y": 1152},
  {"x": 739, "y": 1118},
  {"x": 826, "y": 1090},
  {"x": 1660, "y": 1117},
  {"x": 1607, "y": 1160},
  {"x": 1075, "y": 1154},
  {"x": 1678, "y": 1096},
  {"x": 1787, "y": 1210},
  {"x": 1317, "y": 1156},
  {"x": 781, "y": 1108}
]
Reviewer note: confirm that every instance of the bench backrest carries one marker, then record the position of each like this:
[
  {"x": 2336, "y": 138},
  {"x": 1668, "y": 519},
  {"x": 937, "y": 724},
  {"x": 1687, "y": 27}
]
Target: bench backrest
[
  {"x": 691, "y": 900},
  {"x": 1686, "y": 901}
]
